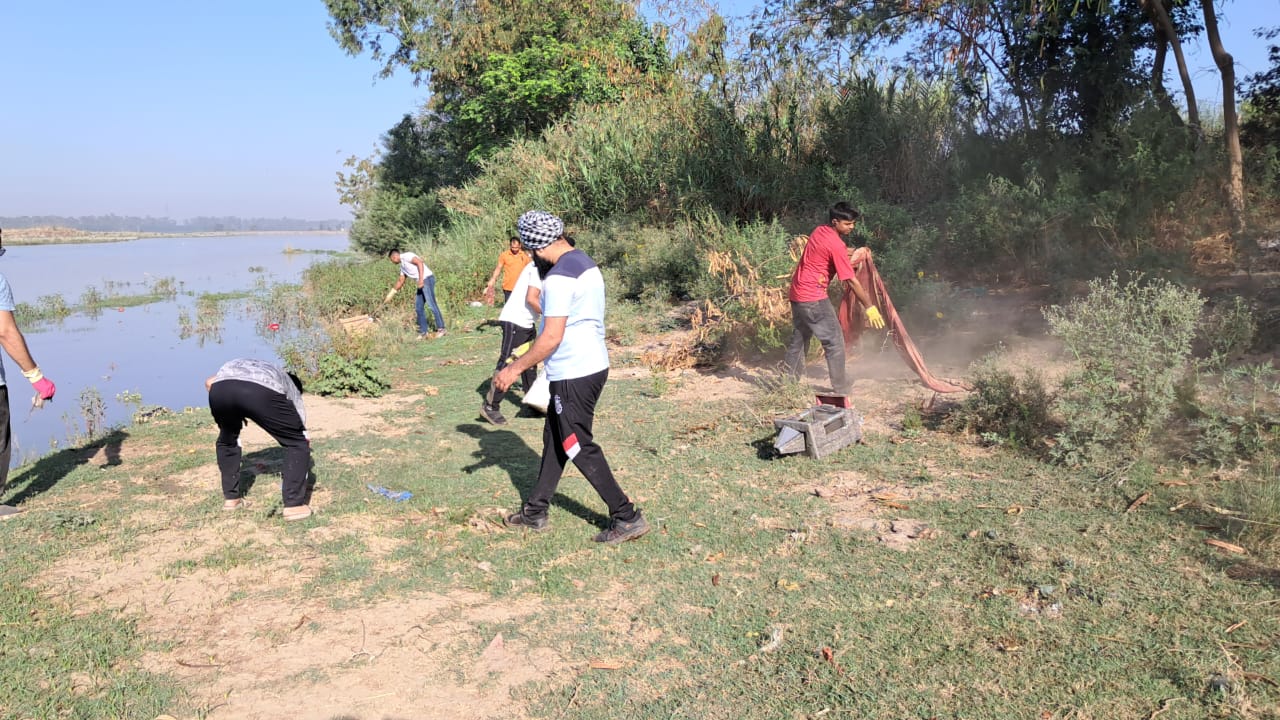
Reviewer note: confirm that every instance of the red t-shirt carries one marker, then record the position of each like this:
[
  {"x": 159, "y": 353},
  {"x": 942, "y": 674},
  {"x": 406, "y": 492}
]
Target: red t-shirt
[{"x": 825, "y": 254}]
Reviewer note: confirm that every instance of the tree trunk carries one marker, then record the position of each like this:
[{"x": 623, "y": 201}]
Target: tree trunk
[
  {"x": 1164, "y": 26},
  {"x": 1158, "y": 90},
  {"x": 1230, "y": 129}
]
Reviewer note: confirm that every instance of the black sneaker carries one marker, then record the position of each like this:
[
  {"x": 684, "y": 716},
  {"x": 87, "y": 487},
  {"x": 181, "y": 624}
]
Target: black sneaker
[
  {"x": 530, "y": 522},
  {"x": 620, "y": 532},
  {"x": 492, "y": 414}
]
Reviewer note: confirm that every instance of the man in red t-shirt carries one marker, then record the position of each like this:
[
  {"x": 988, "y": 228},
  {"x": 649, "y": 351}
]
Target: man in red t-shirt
[{"x": 811, "y": 312}]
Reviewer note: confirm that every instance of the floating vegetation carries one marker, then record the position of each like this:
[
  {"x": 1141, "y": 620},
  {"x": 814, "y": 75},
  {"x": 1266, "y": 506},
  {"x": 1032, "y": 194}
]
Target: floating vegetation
[
  {"x": 209, "y": 315},
  {"x": 45, "y": 308}
]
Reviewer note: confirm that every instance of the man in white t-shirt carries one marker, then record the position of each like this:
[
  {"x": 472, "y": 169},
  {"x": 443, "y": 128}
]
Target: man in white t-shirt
[
  {"x": 577, "y": 364},
  {"x": 517, "y": 319},
  {"x": 412, "y": 267},
  {"x": 13, "y": 342}
]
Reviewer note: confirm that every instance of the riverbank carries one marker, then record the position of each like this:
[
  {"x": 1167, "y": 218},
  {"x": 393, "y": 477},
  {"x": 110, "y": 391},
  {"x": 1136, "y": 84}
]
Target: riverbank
[
  {"x": 71, "y": 236},
  {"x": 919, "y": 574}
]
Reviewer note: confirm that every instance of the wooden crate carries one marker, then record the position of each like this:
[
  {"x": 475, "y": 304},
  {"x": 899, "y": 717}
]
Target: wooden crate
[{"x": 357, "y": 324}]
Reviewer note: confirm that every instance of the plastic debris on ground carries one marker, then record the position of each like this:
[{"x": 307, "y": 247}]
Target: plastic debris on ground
[{"x": 393, "y": 495}]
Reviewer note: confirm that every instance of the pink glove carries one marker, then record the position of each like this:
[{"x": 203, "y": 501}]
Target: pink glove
[{"x": 44, "y": 388}]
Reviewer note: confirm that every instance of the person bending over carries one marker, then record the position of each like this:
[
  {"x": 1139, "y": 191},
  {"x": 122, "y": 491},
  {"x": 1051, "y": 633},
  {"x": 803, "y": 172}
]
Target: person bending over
[{"x": 244, "y": 390}]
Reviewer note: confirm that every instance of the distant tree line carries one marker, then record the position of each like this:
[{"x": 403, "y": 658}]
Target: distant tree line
[{"x": 129, "y": 223}]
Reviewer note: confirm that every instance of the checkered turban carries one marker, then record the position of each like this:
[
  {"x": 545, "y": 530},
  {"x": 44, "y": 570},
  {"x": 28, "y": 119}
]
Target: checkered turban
[{"x": 539, "y": 229}]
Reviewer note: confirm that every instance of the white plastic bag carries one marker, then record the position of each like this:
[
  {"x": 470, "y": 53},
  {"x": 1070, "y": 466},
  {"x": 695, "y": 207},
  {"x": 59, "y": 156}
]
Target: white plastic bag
[{"x": 538, "y": 396}]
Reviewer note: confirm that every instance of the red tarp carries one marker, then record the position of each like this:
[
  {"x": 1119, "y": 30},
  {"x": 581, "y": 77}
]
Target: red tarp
[{"x": 853, "y": 320}]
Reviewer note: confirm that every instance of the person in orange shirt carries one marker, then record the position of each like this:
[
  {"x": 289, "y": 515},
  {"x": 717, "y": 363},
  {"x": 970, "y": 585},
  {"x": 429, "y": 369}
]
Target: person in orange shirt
[{"x": 510, "y": 263}]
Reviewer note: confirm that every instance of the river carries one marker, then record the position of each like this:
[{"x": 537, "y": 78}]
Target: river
[{"x": 125, "y": 352}]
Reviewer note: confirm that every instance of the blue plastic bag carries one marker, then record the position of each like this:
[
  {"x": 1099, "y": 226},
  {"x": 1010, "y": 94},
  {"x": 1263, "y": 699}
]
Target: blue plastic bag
[{"x": 393, "y": 495}]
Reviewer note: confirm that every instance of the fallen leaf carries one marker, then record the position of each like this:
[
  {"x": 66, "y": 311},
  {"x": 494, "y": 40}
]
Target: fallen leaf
[
  {"x": 431, "y": 390},
  {"x": 1225, "y": 546},
  {"x": 715, "y": 580},
  {"x": 606, "y": 665},
  {"x": 1138, "y": 501}
]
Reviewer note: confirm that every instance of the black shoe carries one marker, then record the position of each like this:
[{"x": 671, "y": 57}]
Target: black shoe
[
  {"x": 530, "y": 522},
  {"x": 492, "y": 414},
  {"x": 620, "y": 532}
]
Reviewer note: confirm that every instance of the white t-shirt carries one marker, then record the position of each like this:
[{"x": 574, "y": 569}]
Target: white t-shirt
[
  {"x": 408, "y": 269},
  {"x": 574, "y": 289},
  {"x": 515, "y": 310}
]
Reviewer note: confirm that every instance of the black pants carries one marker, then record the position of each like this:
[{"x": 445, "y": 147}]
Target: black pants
[
  {"x": 234, "y": 401},
  {"x": 6, "y": 448},
  {"x": 513, "y": 336},
  {"x": 566, "y": 436}
]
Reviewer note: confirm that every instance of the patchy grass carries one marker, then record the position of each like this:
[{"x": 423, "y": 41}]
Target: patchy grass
[{"x": 770, "y": 588}]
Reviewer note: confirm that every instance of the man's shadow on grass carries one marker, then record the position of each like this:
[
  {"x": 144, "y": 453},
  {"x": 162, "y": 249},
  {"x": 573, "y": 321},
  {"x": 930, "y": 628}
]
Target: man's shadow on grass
[
  {"x": 508, "y": 451},
  {"x": 270, "y": 461},
  {"x": 43, "y": 474}
]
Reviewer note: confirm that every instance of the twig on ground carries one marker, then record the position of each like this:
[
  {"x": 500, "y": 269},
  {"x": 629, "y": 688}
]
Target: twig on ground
[
  {"x": 184, "y": 663},
  {"x": 1164, "y": 705},
  {"x": 572, "y": 699}
]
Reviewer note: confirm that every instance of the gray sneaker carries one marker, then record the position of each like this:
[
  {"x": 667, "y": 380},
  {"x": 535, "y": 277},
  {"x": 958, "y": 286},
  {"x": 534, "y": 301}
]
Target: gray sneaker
[
  {"x": 492, "y": 414},
  {"x": 8, "y": 511},
  {"x": 530, "y": 522},
  {"x": 620, "y": 532}
]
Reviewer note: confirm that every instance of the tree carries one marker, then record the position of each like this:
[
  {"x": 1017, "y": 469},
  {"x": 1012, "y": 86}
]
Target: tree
[
  {"x": 1262, "y": 101},
  {"x": 1230, "y": 127},
  {"x": 497, "y": 68},
  {"x": 1166, "y": 37}
]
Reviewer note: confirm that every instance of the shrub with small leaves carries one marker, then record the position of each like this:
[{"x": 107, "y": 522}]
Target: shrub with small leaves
[
  {"x": 1132, "y": 343},
  {"x": 1227, "y": 330},
  {"x": 1006, "y": 408}
]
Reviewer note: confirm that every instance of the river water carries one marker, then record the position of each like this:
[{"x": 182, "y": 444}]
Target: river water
[{"x": 141, "y": 350}]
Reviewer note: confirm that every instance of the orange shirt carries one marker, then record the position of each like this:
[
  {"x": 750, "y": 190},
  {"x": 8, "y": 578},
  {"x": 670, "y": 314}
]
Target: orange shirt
[{"x": 512, "y": 264}]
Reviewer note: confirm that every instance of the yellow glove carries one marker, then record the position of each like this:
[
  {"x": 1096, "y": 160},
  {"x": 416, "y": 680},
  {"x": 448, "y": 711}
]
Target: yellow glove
[
  {"x": 874, "y": 318},
  {"x": 390, "y": 294}
]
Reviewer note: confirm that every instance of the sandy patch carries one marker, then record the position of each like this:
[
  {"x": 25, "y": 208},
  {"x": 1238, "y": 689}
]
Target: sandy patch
[
  {"x": 329, "y": 417},
  {"x": 249, "y": 644}
]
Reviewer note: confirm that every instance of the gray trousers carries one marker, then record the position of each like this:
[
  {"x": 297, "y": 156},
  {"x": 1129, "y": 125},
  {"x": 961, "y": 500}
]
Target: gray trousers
[{"x": 817, "y": 319}]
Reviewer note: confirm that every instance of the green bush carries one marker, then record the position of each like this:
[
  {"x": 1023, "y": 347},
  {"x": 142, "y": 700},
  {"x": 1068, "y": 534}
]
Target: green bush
[
  {"x": 1227, "y": 330},
  {"x": 1131, "y": 343},
  {"x": 337, "y": 375},
  {"x": 1006, "y": 408},
  {"x": 1238, "y": 420}
]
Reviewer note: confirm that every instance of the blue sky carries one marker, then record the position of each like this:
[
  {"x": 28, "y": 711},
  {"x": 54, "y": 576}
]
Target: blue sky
[{"x": 240, "y": 107}]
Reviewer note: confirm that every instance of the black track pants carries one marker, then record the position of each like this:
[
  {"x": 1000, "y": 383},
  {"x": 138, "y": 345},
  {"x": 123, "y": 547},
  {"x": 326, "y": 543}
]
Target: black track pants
[
  {"x": 234, "y": 401},
  {"x": 567, "y": 436}
]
